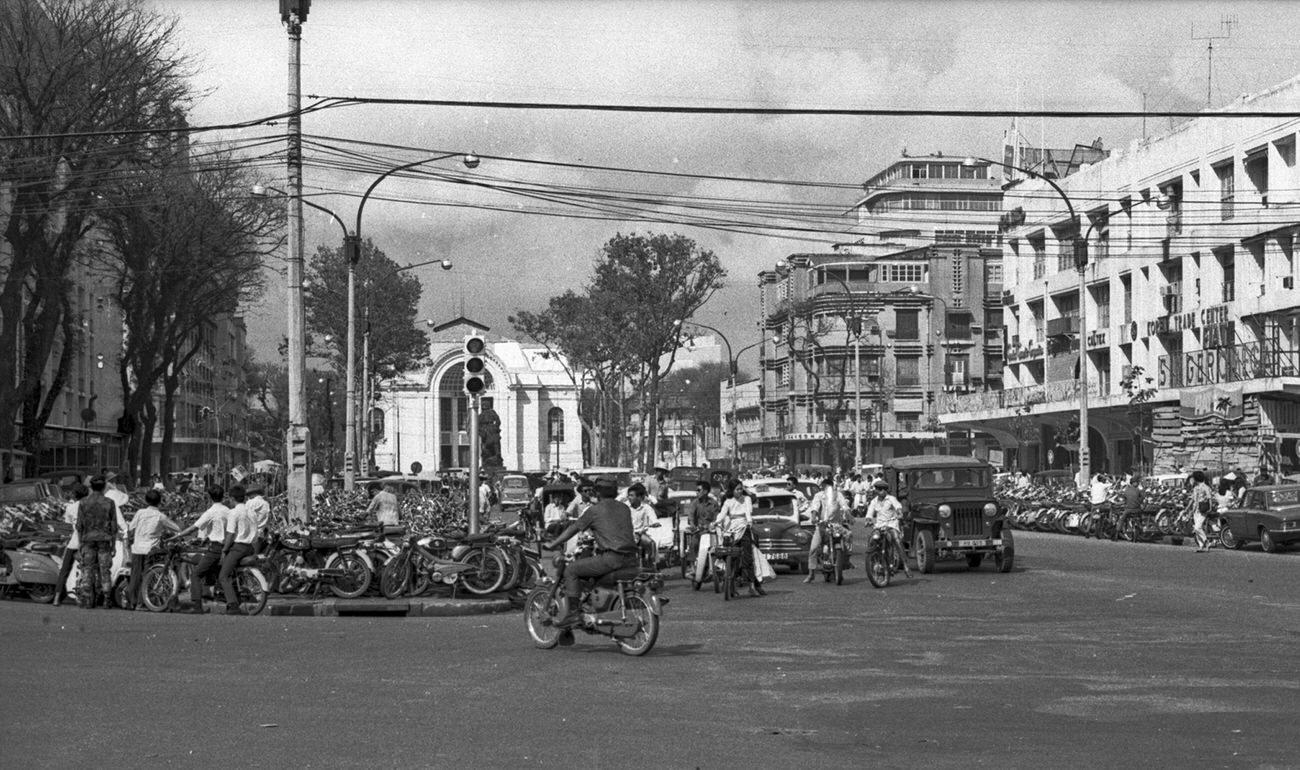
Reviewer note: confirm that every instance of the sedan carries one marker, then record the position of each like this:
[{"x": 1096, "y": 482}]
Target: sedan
[
  {"x": 1269, "y": 514},
  {"x": 781, "y": 532}
]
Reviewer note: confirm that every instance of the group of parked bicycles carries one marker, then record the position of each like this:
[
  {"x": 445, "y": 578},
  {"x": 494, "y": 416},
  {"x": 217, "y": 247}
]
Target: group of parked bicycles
[{"x": 1166, "y": 515}]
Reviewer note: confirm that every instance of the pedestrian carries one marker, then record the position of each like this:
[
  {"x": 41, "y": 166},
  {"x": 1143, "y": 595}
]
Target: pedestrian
[
  {"x": 260, "y": 510},
  {"x": 554, "y": 518},
  {"x": 385, "y": 507},
  {"x": 657, "y": 486},
  {"x": 97, "y": 529},
  {"x": 147, "y": 527},
  {"x": 735, "y": 520},
  {"x": 1262, "y": 478},
  {"x": 71, "y": 551},
  {"x": 1098, "y": 505},
  {"x": 114, "y": 491},
  {"x": 1133, "y": 501},
  {"x": 241, "y": 531},
  {"x": 1201, "y": 506},
  {"x": 211, "y": 527},
  {"x": 484, "y": 497}
]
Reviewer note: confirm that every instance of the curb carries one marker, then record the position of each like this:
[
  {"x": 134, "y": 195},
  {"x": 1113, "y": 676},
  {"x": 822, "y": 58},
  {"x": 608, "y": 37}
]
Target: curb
[{"x": 429, "y": 608}]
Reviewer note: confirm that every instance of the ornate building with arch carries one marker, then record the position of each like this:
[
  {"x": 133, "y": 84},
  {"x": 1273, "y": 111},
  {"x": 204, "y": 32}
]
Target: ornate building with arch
[{"x": 423, "y": 416}]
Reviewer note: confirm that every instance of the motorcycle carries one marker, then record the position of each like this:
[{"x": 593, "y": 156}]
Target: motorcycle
[
  {"x": 416, "y": 567},
  {"x": 834, "y": 553},
  {"x": 624, "y": 605},
  {"x": 883, "y": 558},
  {"x": 31, "y": 567}
]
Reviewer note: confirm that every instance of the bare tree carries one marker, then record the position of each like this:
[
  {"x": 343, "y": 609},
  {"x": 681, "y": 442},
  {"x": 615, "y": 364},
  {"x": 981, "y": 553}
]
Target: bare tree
[
  {"x": 83, "y": 84},
  {"x": 187, "y": 247}
]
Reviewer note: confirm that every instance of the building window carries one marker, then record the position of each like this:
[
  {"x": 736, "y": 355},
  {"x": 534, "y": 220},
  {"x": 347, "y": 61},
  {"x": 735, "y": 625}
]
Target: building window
[
  {"x": 555, "y": 425},
  {"x": 892, "y": 272},
  {"x": 377, "y": 422},
  {"x": 1256, "y": 167},
  {"x": 958, "y": 326},
  {"x": 957, "y": 371},
  {"x": 1039, "y": 246},
  {"x": 906, "y": 324},
  {"x": 992, "y": 273},
  {"x": 909, "y": 371},
  {"x": 1228, "y": 263},
  {"x": 1227, "y": 189},
  {"x": 1102, "y": 297}
]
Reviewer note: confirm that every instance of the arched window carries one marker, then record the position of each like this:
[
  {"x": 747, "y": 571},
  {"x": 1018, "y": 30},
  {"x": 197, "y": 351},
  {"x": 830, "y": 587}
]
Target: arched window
[
  {"x": 555, "y": 425},
  {"x": 377, "y": 423}
]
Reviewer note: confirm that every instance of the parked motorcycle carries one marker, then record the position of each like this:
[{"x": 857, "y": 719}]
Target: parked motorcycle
[
  {"x": 624, "y": 606},
  {"x": 31, "y": 567}
]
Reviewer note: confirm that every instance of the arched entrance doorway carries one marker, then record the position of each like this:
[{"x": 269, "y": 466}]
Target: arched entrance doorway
[{"x": 453, "y": 417}]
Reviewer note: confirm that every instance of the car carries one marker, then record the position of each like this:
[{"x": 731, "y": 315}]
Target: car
[
  {"x": 1268, "y": 514},
  {"x": 514, "y": 492},
  {"x": 66, "y": 479},
  {"x": 1054, "y": 478},
  {"x": 949, "y": 510},
  {"x": 620, "y": 476},
  {"x": 781, "y": 530},
  {"x": 1166, "y": 480},
  {"x": 29, "y": 491}
]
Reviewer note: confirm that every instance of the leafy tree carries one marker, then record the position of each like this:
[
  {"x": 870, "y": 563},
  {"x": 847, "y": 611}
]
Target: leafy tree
[
  {"x": 1140, "y": 389},
  {"x": 651, "y": 283},
  {"x": 695, "y": 394},
  {"x": 268, "y": 419},
  {"x": 83, "y": 83},
  {"x": 388, "y": 303}
]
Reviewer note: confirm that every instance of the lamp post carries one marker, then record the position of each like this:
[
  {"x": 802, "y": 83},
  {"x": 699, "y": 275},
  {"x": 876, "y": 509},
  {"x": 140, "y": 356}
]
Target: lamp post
[
  {"x": 733, "y": 363},
  {"x": 1080, "y": 263},
  {"x": 354, "y": 255}
]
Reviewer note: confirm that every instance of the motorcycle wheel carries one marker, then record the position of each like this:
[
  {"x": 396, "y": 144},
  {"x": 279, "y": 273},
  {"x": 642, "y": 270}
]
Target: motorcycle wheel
[
  {"x": 420, "y": 580},
  {"x": 489, "y": 571},
  {"x": 1229, "y": 540},
  {"x": 540, "y": 612},
  {"x": 717, "y": 579},
  {"x": 395, "y": 577},
  {"x": 514, "y": 569},
  {"x": 878, "y": 571},
  {"x": 687, "y": 566},
  {"x": 356, "y": 575},
  {"x": 250, "y": 585},
  {"x": 158, "y": 588},
  {"x": 533, "y": 574},
  {"x": 122, "y": 593},
  {"x": 270, "y": 567},
  {"x": 644, "y": 640},
  {"x": 840, "y": 558},
  {"x": 41, "y": 593}
]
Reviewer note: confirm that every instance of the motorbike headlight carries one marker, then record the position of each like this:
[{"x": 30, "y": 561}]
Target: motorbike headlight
[
  {"x": 990, "y": 510},
  {"x": 945, "y": 511}
]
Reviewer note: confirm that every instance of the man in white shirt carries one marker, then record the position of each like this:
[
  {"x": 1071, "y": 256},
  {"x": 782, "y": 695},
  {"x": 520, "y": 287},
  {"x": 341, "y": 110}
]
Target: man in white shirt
[
  {"x": 260, "y": 510},
  {"x": 211, "y": 527},
  {"x": 484, "y": 497},
  {"x": 885, "y": 511},
  {"x": 241, "y": 531},
  {"x": 643, "y": 518},
  {"x": 826, "y": 506},
  {"x": 146, "y": 528},
  {"x": 1098, "y": 505}
]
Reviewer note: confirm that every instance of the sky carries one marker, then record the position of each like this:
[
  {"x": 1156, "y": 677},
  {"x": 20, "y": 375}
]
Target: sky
[{"x": 513, "y": 252}]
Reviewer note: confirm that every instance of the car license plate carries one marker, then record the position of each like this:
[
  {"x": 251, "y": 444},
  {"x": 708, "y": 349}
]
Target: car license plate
[
  {"x": 777, "y": 556},
  {"x": 971, "y": 543}
]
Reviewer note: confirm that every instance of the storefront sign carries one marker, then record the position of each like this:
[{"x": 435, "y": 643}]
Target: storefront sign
[
  {"x": 1097, "y": 339},
  {"x": 1192, "y": 320},
  {"x": 1222, "y": 402}
]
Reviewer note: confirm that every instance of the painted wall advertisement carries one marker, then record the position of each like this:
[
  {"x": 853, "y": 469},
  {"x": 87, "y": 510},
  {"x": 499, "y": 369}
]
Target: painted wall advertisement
[{"x": 1219, "y": 402}]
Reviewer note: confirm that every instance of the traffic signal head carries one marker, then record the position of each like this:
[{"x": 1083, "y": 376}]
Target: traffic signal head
[{"x": 475, "y": 365}]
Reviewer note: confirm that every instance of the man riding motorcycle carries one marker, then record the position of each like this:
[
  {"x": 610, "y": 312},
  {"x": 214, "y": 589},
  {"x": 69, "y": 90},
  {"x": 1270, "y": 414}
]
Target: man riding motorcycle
[
  {"x": 610, "y": 523},
  {"x": 886, "y": 512},
  {"x": 827, "y": 507},
  {"x": 644, "y": 518}
]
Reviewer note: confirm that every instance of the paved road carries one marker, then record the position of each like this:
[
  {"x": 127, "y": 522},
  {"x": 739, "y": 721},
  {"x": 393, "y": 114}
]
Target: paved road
[{"x": 1087, "y": 655}]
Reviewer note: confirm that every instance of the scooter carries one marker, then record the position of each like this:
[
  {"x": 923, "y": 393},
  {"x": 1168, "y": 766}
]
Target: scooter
[
  {"x": 120, "y": 575},
  {"x": 30, "y": 567}
]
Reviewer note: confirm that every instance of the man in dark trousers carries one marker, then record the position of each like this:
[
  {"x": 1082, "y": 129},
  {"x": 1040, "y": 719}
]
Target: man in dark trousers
[
  {"x": 97, "y": 530},
  {"x": 611, "y": 523},
  {"x": 1133, "y": 500}
]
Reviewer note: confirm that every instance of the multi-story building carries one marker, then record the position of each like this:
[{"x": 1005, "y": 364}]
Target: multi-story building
[
  {"x": 880, "y": 335},
  {"x": 1189, "y": 307},
  {"x": 423, "y": 416},
  {"x": 212, "y": 403},
  {"x": 919, "y": 201}
]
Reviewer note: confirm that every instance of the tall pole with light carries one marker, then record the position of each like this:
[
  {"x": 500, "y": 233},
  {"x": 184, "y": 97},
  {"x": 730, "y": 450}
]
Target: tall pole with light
[
  {"x": 1080, "y": 263},
  {"x": 354, "y": 256},
  {"x": 733, "y": 366}
]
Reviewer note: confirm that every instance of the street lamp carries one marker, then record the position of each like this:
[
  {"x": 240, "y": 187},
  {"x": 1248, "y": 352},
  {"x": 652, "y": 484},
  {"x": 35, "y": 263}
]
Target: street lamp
[
  {"x": 1080, "y": 262},
  {"x": 354, "y": 255},
  {"x": 733, "y": 363}
]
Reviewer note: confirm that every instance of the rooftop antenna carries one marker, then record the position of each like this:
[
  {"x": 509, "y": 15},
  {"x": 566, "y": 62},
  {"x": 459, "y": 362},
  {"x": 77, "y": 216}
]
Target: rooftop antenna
[{"x": 1226, "y": 23}]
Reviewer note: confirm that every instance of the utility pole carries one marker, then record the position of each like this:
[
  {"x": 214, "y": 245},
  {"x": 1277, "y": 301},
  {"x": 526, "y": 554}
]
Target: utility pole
[
  {"x": 1226, "y": 23},
  {"x": 293, "y": 13}
]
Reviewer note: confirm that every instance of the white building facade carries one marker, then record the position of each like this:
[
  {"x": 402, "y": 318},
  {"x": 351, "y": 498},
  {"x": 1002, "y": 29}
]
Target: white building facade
[
  {"x": 1191, "y": 280},
  {"x": 423, "y": 417}
]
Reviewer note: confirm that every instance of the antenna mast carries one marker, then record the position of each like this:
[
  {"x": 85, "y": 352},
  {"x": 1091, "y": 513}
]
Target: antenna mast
[{"x": 1226, "y": 23}]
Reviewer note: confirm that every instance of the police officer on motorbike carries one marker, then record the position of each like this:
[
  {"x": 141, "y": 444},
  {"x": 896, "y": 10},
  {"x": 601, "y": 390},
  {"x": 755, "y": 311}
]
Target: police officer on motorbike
[{"x": 610, "y": 523}]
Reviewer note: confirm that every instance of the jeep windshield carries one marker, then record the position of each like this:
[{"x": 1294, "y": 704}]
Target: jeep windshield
[{"x": 952, "y": 478}]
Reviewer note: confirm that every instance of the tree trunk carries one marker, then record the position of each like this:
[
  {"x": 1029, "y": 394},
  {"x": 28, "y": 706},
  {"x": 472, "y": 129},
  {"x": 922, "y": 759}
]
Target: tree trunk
[
  {"x": 147, "y": 426},
  {"x": 170, "y": 385}
]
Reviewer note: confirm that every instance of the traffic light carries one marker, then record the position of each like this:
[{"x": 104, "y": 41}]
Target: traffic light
[{"x": 475, "y": 366}]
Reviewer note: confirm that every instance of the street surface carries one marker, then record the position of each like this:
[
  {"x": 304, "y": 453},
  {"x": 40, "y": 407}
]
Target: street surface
[{"x": 1090, "y": 654}]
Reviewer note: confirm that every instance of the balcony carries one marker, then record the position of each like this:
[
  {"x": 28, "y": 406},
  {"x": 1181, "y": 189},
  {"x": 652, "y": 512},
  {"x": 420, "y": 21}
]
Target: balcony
[{"x": 1063, "y": 327}]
